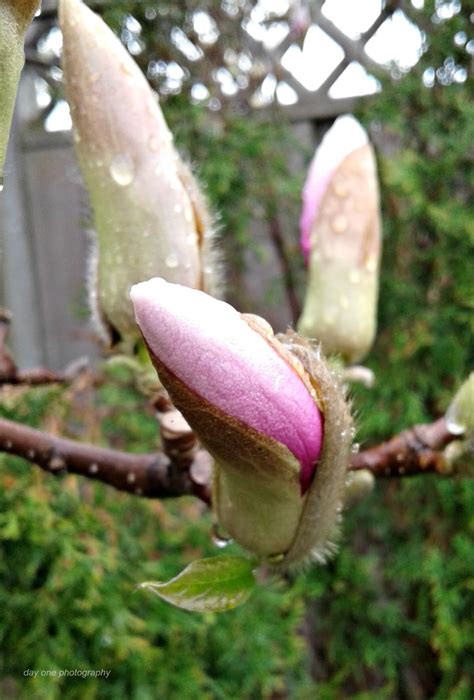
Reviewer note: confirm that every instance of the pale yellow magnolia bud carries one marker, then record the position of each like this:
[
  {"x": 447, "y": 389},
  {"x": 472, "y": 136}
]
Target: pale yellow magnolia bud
[
  {"x": 149, "y": 215},
  {"x": 15, "y": 17},
  {"x": 341, "y": 237}
]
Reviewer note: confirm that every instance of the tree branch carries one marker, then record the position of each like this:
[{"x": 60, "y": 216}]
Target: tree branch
[
  {"x": 149, "y": 475},
  {"x": 411, "y": 452},
  {"x": 157, "y": 475}
]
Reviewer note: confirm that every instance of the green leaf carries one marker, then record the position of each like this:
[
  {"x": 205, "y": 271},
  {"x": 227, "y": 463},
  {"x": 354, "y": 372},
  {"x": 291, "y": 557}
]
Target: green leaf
[{"x": 208, "y": 585}]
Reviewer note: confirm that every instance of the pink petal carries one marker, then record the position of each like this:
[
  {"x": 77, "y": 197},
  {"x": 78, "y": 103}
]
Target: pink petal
[
  {"x": 344, "y": 137},
  {"x": 207, "y": 344}
]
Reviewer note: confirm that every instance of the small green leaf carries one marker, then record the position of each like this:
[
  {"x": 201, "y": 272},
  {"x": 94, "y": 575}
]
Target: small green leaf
[{"x": 208, "y": 585}]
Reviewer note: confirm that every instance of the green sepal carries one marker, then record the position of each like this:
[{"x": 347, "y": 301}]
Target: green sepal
[{"x": 216, "y": 584}]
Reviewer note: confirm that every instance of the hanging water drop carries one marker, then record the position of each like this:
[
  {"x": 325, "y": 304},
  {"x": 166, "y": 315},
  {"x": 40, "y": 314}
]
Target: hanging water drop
[
  {"x": 218, "y": 538},
  {"x": 453, "y": 424},
  {"x": 121, "y": 169}
]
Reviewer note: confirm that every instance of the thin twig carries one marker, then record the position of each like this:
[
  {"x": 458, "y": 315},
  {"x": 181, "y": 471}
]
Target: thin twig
[
  {"x": 285, "y": 263},
  {"x": 10, "y": 374}
]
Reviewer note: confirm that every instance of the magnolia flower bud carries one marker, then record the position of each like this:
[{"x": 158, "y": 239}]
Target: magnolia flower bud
[
  {"x": 15, "y": 17},
  {"x": 341, "y": 241},
  {"x": 268, "y": 410},
  {"x": 149, "y": 214}
]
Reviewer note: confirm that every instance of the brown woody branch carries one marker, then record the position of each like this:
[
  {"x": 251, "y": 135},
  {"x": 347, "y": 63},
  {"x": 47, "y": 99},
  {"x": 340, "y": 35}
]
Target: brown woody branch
[
  {"x": 411, "y": 452},
  {"x": 150, "y": 475},
  {"x": 157, "y": 475}
]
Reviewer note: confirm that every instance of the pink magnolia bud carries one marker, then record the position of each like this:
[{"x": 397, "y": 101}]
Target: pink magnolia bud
[
  {"x": 341, "y": 241},
  {"x": 254, "y": 405},
  {"x": 15, "y": 17},
  {"x": 150, "y": 217}
]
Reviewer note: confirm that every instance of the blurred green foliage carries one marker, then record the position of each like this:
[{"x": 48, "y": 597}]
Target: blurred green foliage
[{"x": 391, "y": 616}]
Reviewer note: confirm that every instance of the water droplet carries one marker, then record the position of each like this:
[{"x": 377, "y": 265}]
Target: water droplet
[
  {"x": 340, "y": 189},
  {"x": 219, "y": 539},
  {"x": 453, "y": 423},
  {"x": 126, "y": 68},
  {"x": 339, "y": 224},
  {"x": 354, "y": 276},
  {"x": 121, "y": 169},
  {"x": 57, "y": 463},
  {"x": 154, "y": 143},
  {"x": 275, "y": 559},
  {"x": 355, "y": 448},
  {"x": 371, "y": 264},
  {"x": 171, "y": 260}
]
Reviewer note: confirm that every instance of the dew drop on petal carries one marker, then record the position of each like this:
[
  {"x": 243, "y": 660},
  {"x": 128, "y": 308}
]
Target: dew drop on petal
[
  {"x": 354, "y": 276},
  {"x": 121, "y": 170},
  {"x": 171, "y": 260},
  {"x": 371, "y": 264}
]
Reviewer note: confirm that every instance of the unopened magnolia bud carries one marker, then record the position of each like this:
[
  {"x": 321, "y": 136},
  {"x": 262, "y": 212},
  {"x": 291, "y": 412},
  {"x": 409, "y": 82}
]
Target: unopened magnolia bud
[
  {"x": 15, "y": 17},
  {"x": 341, "y": 241},
  {"x": 149, "y": 215},
  {"x": 266, "y": 407}
]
